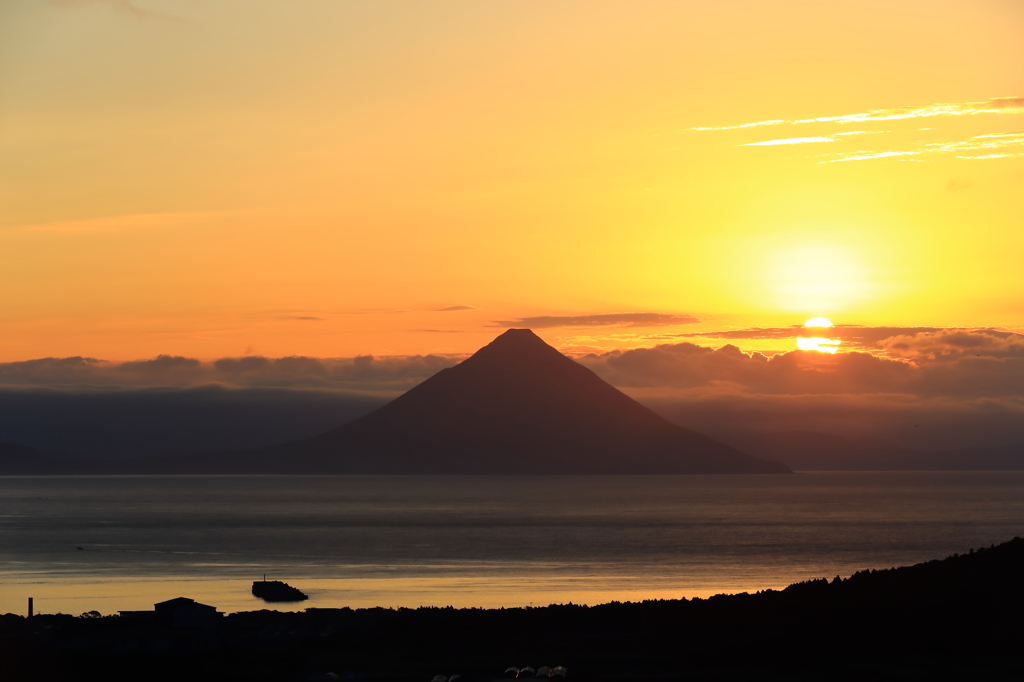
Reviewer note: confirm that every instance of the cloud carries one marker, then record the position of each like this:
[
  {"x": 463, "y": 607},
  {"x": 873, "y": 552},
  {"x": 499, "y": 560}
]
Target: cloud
[
  {"x": 177, "y": 405},
  {"x": 977, "y": 143},
  {"x": 998, "y": 105},
  {"x": 162, "y": 365},
  {"x": 982, "y": 157},
  {"x": 453, "y": 308},
  {"x": 913, "y": 386},
  {"x": 628, "y": 320},
  {"x": 950, "y": 363},
  {"x": 867, "y": 156},
  {"x": 852, "y": 335},
  {"x": 930, "y": 390},
  {"x": 789, "y": 140},
  {"x": 918, "y": 344},
  {"x": 878, "y": 359},
  {"x": 687, "y": 365},
  {"x": 126, "y": 7},
  {"x": 50, "y": 371},
  {"x": 993, "y": 145},
  {"x": 361, "y": 373},
  {"x": 757, "y": 124},
  {"x": 953, "y": 344},
  {"x": 121, "y": 223}
]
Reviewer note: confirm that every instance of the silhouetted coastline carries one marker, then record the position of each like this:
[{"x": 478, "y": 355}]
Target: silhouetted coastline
[{"x": 958, "y": 618}]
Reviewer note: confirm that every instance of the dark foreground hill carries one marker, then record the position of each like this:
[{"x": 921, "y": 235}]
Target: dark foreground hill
[
  {"x": 517, "y": 406},
  {"x": 955, "y": 619}
]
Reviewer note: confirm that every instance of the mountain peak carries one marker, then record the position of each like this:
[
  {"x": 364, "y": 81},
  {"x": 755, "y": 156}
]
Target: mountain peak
[
  {"x": 517, "y": 405},
  {"x": 519, "y": 336},
  {"x": 517, "y": 347},
  {"x": 521, "y": 339}
]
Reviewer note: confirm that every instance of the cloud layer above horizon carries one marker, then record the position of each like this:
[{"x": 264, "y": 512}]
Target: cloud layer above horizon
[
  {"x": 935, "y": 362},
  {"x": 910, "y": 360},
  {"x": 919, "y": 387},
  {"x": 386, "y": 375}
]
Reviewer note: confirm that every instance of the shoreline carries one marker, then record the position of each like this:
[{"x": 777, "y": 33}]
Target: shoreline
[{"x": 911, "y": 622}]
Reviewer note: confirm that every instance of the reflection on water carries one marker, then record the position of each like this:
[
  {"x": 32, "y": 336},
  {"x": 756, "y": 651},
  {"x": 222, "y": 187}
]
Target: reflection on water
[{"x": 475, "y": 541}]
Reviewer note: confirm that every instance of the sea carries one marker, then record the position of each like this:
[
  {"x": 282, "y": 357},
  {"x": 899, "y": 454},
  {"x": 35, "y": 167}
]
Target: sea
[{"x": 109, "y": 544}]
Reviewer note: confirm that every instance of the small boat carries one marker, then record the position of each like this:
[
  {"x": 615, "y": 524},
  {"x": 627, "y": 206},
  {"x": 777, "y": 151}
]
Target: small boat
[{"x": 275, "y": 590}]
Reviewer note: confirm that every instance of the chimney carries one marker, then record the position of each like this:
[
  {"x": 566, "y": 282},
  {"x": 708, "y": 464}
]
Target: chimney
[{"x": 30, "y": 607}]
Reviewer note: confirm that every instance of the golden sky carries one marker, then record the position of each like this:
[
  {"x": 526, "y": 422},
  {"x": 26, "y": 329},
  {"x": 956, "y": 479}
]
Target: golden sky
[{"x": 323, "y": 177}]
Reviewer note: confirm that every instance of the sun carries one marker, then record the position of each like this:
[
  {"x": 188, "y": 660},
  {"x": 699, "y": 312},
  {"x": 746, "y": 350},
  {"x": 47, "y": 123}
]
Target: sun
[{"x": 813, "y": 336}]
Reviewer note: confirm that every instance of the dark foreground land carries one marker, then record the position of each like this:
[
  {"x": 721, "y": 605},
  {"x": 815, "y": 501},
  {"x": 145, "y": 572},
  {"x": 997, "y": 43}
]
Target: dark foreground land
[{"x": 961, "y": 618}]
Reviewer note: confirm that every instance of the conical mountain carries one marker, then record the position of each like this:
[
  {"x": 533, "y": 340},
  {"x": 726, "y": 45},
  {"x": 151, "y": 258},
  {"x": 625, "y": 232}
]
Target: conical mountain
[{"x": 516, "y": 406}]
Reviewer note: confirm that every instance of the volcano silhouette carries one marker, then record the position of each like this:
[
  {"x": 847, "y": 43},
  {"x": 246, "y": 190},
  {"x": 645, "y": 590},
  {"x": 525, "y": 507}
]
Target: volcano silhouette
[{"x": 517, "y": 406}]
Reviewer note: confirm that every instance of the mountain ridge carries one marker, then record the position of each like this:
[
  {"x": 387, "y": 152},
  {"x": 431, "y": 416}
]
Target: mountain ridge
[{"x": 509, "y": 408}]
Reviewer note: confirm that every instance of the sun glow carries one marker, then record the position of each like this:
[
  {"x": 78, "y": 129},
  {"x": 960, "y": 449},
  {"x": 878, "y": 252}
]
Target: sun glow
[
  {"x": 822, "y": 344},
  {"x": 804, "y": 275},
  {"x": 823, "y": 322}
]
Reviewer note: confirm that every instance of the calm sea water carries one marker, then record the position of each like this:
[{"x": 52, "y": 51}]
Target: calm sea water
[{"x": 475, "y": 541}]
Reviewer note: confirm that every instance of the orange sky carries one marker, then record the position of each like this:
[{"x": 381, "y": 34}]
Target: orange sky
[{"x": 218, "y": 177}]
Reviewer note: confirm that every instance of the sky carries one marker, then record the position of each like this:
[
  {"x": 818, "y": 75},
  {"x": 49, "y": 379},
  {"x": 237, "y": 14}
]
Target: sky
[
  {"x": 340, "y": 196},
  {"x": 326, "y": 178}
]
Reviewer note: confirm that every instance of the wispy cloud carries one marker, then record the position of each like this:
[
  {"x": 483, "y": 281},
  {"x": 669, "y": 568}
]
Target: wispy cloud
[
  {"x": 866, "y": 155},
  {"x": 121, "y": 223},
  {"x": 789, "y": 140},
  {"x": 807, "y": 140},
  {"x": 987, "y": 156},
  {"x": 1019, "y": 134},
  {"x": 994, "y": 141},
  {"x": 125, "y": 7},
  {"x": 986, "y": 142},
  {"x": 991, "y": 146},
  {"x": 746, "y": 125},
  {"x": 998, "y": 105},
  {"x": 454, "y": 308},
  {"x": 604, "y": 320},
  {"x": 859, "y": 132}
]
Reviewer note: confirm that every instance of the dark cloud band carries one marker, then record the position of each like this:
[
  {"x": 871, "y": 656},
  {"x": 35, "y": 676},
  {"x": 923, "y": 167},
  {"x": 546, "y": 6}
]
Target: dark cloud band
[
  {"x": 361, "y": 373},
  {"x": 630, "y": 320}
]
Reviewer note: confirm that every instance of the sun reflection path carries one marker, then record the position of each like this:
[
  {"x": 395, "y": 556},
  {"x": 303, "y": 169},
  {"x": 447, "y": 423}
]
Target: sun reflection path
[{"x": 813, "y": 337}]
